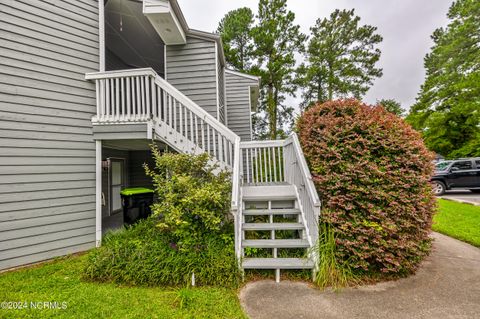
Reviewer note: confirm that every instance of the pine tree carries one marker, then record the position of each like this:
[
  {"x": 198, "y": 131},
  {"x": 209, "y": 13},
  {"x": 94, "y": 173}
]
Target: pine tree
[
  {"x": 277, "y": 38},
  {"x": 447, "y": 109},
  {"x": 340, "y": 58},
  {"x": 235, "y": 30},
  {"x": 392, "y": 106}
]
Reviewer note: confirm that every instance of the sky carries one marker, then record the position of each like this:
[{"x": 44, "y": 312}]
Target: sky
[{"x": 406, "y": 27}]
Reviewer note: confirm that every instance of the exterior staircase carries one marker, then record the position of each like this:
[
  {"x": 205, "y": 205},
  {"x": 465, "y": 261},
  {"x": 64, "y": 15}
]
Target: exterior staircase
[
  {"x": 274, "y": 210},
  {"x": 274, "y": 202}
]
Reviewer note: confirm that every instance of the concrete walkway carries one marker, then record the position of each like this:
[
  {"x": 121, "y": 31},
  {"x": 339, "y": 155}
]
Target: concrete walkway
[
  {"x": 446, "y": 286},
  {"x": 462, "y": 196}
]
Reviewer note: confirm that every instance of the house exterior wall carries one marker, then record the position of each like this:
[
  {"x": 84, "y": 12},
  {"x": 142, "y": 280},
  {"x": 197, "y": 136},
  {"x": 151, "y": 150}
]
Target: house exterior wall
[
  {"x": 238, "y": 104},
  {"x": 137, "y": 175},
  {"x": 47, "y": 153},
  {"x": 191, "y": 69},
  {"x": 221, "y": 91}
]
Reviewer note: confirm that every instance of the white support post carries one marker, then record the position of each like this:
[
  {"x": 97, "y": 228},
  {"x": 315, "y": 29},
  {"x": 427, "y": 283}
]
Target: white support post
[
  {"x": 98, "y": 192},
  {"x": 101, "y": 34}
]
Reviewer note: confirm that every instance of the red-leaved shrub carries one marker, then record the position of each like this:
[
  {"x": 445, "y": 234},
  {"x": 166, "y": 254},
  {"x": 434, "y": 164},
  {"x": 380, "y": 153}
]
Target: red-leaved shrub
[{"x": 372, "y": 172}]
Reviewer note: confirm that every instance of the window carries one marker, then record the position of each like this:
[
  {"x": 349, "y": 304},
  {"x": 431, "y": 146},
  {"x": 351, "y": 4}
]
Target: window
[
  {"x": 442, "y": 166},
  {"x": 477, "y": 162},
  {"x": 463, "y": 165},
  {"x": 116, "y": 184}
]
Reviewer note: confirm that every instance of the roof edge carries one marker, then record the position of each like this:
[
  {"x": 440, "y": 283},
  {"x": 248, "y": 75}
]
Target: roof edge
[
  {"x": 178, "y": 12},
  {"x": 245, "y": 75},
  {"x": 197, "y": 33},
  {"x": 209, "y": 36}
]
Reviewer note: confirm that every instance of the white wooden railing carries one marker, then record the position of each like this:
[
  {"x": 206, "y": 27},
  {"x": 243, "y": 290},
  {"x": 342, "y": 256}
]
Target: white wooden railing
[
  {"x": 282, "y": 161},
  {"x": 298, "y": 174},
  {"x": 140, "y": 95},
  {"x": 262, "y": 162}
]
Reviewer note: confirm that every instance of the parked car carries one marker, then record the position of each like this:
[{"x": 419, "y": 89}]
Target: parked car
[{"x": 459, "y": 173}]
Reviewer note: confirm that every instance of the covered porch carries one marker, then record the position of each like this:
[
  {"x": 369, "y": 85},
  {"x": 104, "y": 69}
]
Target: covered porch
[{"x": 122, "y": 167}]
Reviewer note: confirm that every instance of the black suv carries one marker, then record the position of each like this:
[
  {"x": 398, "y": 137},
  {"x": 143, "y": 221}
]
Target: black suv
[{"x": 459, "y": 173}]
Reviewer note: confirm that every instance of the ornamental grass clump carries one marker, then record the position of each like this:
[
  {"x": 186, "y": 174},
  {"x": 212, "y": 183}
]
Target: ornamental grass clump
[
  {"x": 189, "y": 233},
  {"x": 372, "y": 172}
]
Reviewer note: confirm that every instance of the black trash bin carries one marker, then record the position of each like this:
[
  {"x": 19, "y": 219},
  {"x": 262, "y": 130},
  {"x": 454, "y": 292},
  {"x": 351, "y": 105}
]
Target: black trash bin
[{"x": 136, "y": 204}]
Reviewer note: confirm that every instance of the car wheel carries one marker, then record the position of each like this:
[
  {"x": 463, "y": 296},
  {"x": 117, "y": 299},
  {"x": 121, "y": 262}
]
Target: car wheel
[
  {"x": 475, "y": 190},
  {"x": 438, "y": 188}
]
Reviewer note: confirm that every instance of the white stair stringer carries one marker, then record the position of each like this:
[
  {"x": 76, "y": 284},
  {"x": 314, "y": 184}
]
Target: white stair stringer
[
  {"x": 274, "y": 201},
  {"x": 180, "y": 143},
  {"x": 277, "y": 168}
]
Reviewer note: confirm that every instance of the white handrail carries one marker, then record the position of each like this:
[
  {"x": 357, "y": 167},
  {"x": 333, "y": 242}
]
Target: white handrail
[
  {"x": 298, "y": 174},
  {"x": 141, "y": 95},
  {"x": 200, "y": 112},
  {"x": 173, "y": 91},
  {"x": 120, "y": 74},
  {"x": 236, "y": 176},
  {"x": 305, "y": 170},
  {"x": 260, "y": 144}
]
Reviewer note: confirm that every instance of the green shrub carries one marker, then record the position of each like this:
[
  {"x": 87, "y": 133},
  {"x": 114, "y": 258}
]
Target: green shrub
[
  {"x": 192, "y": 200},
  {"x": 144, "y": 255},
  {"x": 372, "y": 172},
  {"x": 188, "y": 233}
]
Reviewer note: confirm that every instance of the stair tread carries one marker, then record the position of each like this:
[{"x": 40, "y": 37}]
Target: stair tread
[
  {"x": 273, "y": 211},
  {"x": 276, "y": 263},
  {"x": 268, "y": 192},
  {"x": 275, "y": 243},
  {"x": 272, "y": 226}
]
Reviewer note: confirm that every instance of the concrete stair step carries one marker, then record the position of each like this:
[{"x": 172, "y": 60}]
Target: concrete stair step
[
  {"x": 272, "y": 226},
  {"x": 277, "y": 263},
  {"x": 275, "y": 243}
]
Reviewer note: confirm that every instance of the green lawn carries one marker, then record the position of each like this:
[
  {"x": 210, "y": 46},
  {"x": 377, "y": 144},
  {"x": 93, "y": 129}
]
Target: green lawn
[
  {"x": 458, "y": 220},
  {"x": 59, "y": 281}
]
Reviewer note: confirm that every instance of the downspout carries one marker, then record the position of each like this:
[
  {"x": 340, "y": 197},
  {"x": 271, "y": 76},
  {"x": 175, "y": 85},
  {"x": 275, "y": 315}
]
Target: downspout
[{"x": 98, "y": 143}]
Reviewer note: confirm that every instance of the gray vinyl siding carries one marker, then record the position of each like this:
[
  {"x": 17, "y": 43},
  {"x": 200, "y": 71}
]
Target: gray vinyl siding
[
  {"x": 47, "y": 157},
  {"x": 238, "y": 105},
  {"x": 137, "y": 176},
  {"x": 120, "y": 131},
  {"x": 221, "y": 91},
  {"x": 191, "y": 69}
]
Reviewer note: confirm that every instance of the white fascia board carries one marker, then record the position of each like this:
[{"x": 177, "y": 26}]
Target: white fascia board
[
  {"x": 160, "y": 14},
  {"x": 244, "y": 75}
]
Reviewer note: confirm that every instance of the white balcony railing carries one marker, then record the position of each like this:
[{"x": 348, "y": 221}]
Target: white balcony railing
[{"x": 141, "y": 96}]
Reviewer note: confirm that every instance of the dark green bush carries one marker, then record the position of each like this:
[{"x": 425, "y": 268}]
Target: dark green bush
[
  {"x": 372, "y": 172},
  {"x": 192, "y": 200},
  {"x": 188, "y": 233},
  {"x": 144, "y": 255}
]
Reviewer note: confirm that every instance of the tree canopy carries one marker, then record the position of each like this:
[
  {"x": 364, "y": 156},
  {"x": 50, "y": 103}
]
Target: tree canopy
[
  {"x": 447, "y": 109},
  {"x": 235, "y": 30},
  {"x": 265, "y": 45},
  {"x": 340, "y": 58},
  {"x": 276, "y": 38},
  {"x": 392, "y": 106}
]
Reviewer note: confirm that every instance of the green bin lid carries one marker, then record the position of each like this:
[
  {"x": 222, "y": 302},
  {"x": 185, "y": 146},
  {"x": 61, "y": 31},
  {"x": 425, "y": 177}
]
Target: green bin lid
[{"x": 135, "y": 191}]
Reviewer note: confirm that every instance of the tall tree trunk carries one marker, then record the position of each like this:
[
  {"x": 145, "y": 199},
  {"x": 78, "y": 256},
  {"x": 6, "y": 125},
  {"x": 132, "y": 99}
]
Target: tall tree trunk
[
  {"x": 319, "y": 91},
  {"x": 330, "y": 81},
  {"x": 272, "y": 113},
  {"x": 242, "y": 58}
]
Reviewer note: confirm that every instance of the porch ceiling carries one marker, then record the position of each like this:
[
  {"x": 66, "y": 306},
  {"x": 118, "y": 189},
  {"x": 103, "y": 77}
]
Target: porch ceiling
[
  {"x": 131, "y": 145},
  {"x": 165, "y": 21},
  {"x": 131, "y": 37}
]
